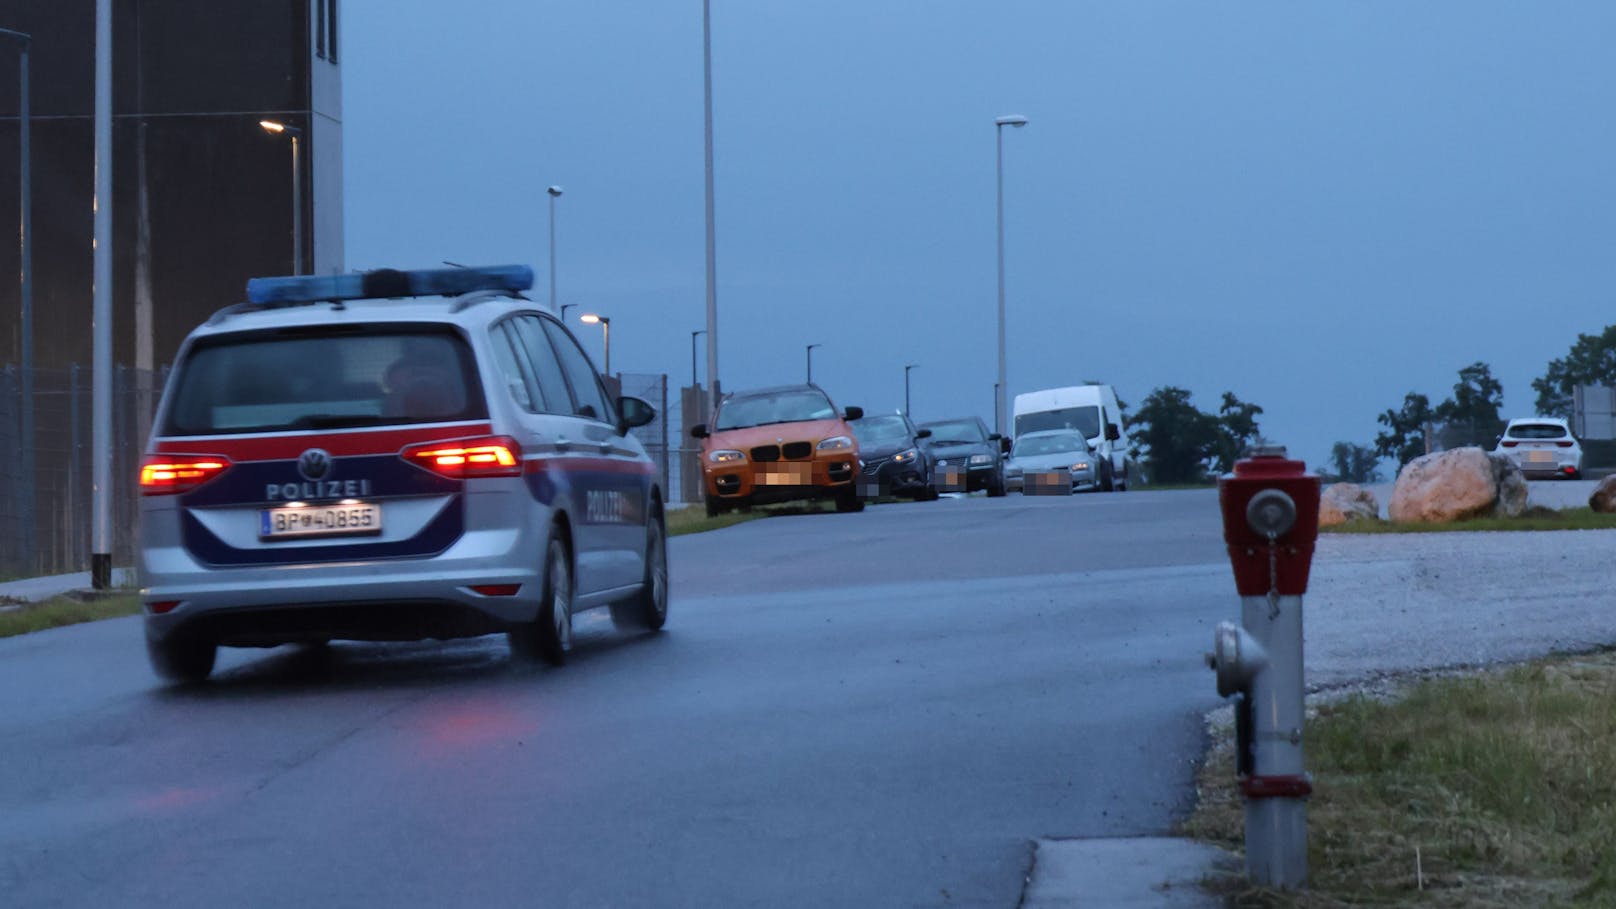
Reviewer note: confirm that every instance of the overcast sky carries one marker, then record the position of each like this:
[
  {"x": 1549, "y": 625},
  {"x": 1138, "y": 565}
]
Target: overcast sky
[{"x": 1316, "y": 206}]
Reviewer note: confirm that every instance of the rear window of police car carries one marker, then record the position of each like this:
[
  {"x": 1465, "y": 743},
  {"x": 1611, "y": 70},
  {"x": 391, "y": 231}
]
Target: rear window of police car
[{"x": 328, "y": 378}]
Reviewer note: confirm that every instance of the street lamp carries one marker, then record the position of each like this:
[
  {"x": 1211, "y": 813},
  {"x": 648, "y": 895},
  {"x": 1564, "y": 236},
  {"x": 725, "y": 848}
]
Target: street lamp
[
  {"x": 25, "y": 293},
  {"x": 606, "y": 327},
  {"x": 712, "y": 243},
  {"x": 906, "y": 387},
  {"x": 999, "y": 124},
  {"x": 811, "y": 362},
  {"x": 277, "y": 128},
  {"x": 693, "y": 381},
  {"x": 555, "y": 193}
]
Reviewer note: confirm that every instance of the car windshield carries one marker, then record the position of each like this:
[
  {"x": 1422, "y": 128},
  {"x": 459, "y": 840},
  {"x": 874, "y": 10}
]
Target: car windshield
[
  {"x": 272, "y": 382},
  {"x": 1085, "y": 420},
  {"x": 775, "y": 407},
  {"x": 960, "y": 431},
  {"x": 1537, "y": 431},
  {"x": 881, "y": 430},
  {"x": 1028, "y": 446}
]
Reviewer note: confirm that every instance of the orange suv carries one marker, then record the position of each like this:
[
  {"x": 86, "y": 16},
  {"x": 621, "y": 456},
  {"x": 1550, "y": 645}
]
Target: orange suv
[{"x": 779, "y": 445}]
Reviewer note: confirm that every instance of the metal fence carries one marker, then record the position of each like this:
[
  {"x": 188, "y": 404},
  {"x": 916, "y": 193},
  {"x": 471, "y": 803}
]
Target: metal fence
[
  {"x": 1463, "y": 433},
  {"x": 45, "y": 513},
  {"x": 655, "y": 435}
]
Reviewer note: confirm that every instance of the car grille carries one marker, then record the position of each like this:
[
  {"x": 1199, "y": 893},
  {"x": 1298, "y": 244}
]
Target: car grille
[
  {"x": 766, "y": 453},
  {"x": 796, "y": 451},
  {"x": 873, "y": 467}
]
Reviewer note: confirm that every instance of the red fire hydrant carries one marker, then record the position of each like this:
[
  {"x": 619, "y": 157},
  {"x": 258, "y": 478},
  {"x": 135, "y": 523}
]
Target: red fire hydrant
[{"x": 1270, "y": 522}]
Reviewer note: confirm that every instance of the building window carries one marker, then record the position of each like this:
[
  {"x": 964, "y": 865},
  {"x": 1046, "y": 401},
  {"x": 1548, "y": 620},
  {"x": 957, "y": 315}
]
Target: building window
[
  {"x": 319, "y": 28},
  {"x": 331, "y": 19}
]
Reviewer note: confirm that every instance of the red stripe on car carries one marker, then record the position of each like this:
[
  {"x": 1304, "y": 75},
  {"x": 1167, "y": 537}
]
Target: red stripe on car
[{"x": 337, "y": 443}]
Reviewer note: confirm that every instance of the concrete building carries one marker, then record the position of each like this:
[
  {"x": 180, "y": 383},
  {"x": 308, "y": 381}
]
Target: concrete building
[{"x": 202, "y": 196}]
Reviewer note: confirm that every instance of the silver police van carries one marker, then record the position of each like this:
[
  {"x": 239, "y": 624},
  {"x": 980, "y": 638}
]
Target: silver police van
[{"x": 392, "y": 456}]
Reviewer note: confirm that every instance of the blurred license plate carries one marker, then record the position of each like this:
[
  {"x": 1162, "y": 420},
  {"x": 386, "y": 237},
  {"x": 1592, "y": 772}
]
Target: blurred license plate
[
  {"x": 1540, "y": 456},
  {"x": 319, "y": 521},
  {"x": 1047, "y": 483},
  {"x": 785, "y": 475},
  {"x": 950, "y": 479}
]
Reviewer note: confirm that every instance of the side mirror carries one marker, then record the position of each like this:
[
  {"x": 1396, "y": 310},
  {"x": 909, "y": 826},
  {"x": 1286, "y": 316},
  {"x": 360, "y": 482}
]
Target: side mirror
[
  {"x": 633, "y": 412},
  {"x": 1112, "y": 432},
  {"x": 923, "y": 434},
  {"x": 699, "y": 431},
  {"x": 853, "y": 413},
  {"x": 1004, "y": 445},
  {"x": 994, "y": 437}
]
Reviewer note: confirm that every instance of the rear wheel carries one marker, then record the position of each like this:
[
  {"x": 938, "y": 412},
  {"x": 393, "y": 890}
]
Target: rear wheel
[
  {"x": 549, "y": 636},
  {"x": 182, "y": 659},
  {"x": 649, "y": 610}
]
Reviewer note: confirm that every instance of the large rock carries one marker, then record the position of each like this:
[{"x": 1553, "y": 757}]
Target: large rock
[
  {"x": 1458, "y": 484},
  {"x": 1343, "y": 502},
  {"x": 1604, "y": 498}
]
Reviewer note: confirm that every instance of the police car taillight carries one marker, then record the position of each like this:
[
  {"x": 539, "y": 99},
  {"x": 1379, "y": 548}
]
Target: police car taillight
[
  {"x": 168, "y": 474},
  {"x": 491, "y": 456}
]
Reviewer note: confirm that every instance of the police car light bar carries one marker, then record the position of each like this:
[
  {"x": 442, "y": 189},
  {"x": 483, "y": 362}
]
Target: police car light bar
[{"x": 386, "y": 282}]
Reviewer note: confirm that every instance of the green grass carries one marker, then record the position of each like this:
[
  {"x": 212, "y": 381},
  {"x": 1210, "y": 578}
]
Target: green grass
[
  {"x": 693, "y": 518},
  {"x": 1535, "y": 518},
  {"x": 1503, "y": 784},
  {"x": 66, "y": 611}
]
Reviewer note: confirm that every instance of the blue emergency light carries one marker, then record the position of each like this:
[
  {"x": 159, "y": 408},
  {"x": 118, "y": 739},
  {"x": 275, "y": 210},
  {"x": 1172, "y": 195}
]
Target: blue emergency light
[{"x": 387, "y": 282}]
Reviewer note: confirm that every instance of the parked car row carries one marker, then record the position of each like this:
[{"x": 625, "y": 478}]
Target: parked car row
[{"x": 791, "y": 442}]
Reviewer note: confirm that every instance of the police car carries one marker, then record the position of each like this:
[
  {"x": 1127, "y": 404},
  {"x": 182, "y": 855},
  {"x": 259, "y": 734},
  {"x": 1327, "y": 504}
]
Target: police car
[{"x": 392, "y": 456}]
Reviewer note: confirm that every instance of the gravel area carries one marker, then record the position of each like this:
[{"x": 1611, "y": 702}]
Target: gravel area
[{"x": 1382, "y": 605}]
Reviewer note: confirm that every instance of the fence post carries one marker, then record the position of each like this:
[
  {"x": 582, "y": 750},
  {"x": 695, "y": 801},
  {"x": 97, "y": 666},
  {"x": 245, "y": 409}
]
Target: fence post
[
  {"x": 78, "y": 553},
  {"x": 667, "y": 456}
]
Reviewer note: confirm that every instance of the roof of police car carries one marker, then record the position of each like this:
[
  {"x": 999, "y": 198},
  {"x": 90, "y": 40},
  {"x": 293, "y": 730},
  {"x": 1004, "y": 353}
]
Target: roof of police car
[{"x": 484, "y": 307}]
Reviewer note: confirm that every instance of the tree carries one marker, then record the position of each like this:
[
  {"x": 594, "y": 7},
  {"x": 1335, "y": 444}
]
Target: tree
[
  {"x": 1477, "y": 398},
  {"x": 1591, "y": 361},
  {"x": 1404, "y": 438},
  {"x": 1355, "y": 463},
  {"x": 1237, "y": 429},
  {"x": 1178, "y": 438}
]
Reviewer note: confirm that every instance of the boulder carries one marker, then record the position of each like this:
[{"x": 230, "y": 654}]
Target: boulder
[
  {"x": 1458, "y": 484},
  {"x": 1343, "y": 502},
  {"x": 1604, "y": 498}
]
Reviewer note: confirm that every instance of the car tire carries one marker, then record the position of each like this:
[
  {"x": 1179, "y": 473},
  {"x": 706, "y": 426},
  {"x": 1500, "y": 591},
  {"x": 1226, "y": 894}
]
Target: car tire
[
  {"x": 648, "y": 611},
  {"x": 1107, "y": 484},
  {"x": 849, "y": 501},
  {"x": 713, "y": 508},
  {"x": 549, "y": 636},
  {"x": 182, "y": 659},
  {"x": 930, "y": 493},
  {"x": 996, "y": 488}
]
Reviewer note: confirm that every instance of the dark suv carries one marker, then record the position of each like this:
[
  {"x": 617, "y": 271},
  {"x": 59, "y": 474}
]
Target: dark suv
[
  {"x": 896, "y": 460},
  {"x": 968, "y": 456}
]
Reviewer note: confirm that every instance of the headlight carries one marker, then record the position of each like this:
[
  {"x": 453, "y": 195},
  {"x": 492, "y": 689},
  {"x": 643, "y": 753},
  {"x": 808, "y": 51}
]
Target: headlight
[
  {"x": 836, "y": 443},
  {"x": 981, "y": 459},
  {"x": 1081, "y": 465},
  {"x": 726, "y": 456},
  {"x": 904, "y": 457}
]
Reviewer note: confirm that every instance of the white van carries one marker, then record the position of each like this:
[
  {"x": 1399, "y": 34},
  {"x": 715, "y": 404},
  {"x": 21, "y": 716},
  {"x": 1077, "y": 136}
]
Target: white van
[{"x": 1090, "y": 409}]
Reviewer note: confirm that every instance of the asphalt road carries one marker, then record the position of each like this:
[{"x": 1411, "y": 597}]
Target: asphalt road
[{"x": 878, "y": 709}]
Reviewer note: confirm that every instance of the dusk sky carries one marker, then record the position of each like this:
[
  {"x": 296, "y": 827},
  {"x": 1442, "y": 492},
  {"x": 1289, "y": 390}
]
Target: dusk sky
[{"x": 1318, "y": 207}]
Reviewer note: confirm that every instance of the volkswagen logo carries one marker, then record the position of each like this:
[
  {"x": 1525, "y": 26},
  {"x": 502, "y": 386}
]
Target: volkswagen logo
[{"x": 314, "y": 464}]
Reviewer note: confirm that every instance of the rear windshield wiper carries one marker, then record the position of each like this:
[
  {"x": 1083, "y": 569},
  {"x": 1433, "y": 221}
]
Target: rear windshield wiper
[{"x": 335, "y": 420}]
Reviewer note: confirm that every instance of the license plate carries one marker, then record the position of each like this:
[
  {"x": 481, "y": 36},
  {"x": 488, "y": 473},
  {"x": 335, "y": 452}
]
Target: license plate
[
  {"x": 319, "y": 521},
  {"x": 785, "y": 475},
  {"x": 1539, "y": 456},
  {"x": 1047, "y": 483},
  {"x": 950, "y": 479}
]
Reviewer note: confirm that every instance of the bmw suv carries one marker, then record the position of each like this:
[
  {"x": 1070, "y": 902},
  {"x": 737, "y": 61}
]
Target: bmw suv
[{"x": 392, "y": 456}]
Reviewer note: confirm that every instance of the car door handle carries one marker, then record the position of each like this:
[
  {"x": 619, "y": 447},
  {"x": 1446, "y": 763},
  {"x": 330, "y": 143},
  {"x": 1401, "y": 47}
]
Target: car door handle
[{"x": 561, "y": 443}]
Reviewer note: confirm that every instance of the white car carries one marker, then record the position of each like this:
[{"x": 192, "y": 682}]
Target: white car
[
  {"x": 1542, "y": 447},
  {"x": 392, "y": 456}
]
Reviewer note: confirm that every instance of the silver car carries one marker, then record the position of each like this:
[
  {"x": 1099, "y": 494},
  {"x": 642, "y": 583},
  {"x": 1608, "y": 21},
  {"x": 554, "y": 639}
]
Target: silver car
[
  {"x": 1052, "y": 462},
  {"x": 392, "y": 456}
]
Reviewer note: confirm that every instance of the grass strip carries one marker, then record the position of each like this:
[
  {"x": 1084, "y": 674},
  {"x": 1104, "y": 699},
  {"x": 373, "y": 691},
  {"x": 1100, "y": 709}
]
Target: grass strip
[
  {"x": 1535, "y": 518},
  {"x": 1490, "y": 790},
  {"x": 66, "y": 611}
]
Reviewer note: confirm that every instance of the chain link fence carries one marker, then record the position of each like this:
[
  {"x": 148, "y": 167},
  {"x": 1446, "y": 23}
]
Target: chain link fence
[
  {"x": 45, "y": 511},
  {"x": 652, "y": 388},
  {"x": 1463, "y": 433}
]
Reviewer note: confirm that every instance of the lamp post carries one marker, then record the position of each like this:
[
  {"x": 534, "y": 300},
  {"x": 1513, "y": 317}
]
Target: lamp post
[
  {"x": 999, "y": 124},
  {"x": 693, "y": 381},
  {"x": 555, "y": 193},
  {"x": 712, "y": 246},
  {"x": 906, "y": 387},
  {"x": 25, "y": 292},
  {"x": 606, "y": 327},
  {"x": 811, "y": 362},
  {"x": 101, "y": 311},
  {"x": 564, "y": 308},
  {"x": 272, "y": 126}
]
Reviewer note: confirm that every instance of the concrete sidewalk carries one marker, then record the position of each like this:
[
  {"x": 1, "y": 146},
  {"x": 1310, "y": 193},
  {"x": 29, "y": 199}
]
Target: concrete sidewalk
[
  {"x": 1147, "y": 872},
  {"x": 32, "y": 590}
]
